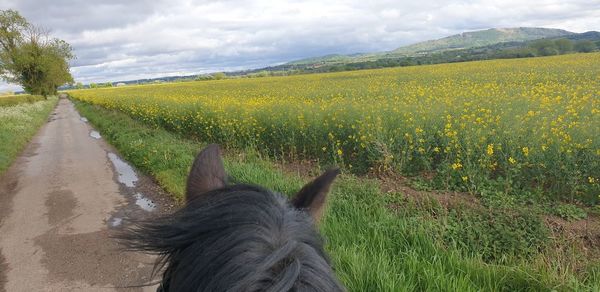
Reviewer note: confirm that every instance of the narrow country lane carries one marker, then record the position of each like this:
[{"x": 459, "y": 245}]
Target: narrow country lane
[{"x": 60, "y": 202}]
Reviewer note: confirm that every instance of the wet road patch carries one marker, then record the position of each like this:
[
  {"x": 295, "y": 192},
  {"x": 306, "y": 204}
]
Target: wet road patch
[
  {"x": 70, "y": 258},
  {"x": 127, "y": 175},
  {"x": 144, "y": 203},
  {"x": 60, "y": 205}
]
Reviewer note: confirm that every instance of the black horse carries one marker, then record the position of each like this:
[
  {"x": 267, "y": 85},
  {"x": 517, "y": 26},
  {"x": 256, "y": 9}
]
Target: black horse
[{"x": 239, "y": 237}]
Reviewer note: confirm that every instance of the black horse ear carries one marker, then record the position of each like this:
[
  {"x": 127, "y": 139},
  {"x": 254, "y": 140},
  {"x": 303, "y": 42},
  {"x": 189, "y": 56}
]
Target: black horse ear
[
  {"x": 313, "y": 195},
  {"x": 207, "y": 173}
]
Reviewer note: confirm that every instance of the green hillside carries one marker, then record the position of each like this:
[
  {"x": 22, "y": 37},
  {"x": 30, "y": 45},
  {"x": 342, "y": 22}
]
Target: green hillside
[{"x": 481, "y": 38}]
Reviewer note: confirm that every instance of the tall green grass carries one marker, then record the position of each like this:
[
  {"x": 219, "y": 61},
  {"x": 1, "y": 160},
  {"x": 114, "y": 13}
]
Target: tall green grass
[
  {"x": 373, "y": 248},
  {"x": 8, "y": 100},
  {"x": 18, "y": 123}
]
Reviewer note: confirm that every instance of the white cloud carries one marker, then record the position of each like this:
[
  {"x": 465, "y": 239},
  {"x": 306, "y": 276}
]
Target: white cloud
[{"x": 117, "y": 40}]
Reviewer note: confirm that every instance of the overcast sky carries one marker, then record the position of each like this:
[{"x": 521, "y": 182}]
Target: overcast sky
[{"x": 130, "y": 39}]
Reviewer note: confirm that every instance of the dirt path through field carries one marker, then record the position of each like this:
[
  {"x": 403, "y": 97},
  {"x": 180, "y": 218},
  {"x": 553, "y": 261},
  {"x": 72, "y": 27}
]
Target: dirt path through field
[{"x": 60, "y": 202}]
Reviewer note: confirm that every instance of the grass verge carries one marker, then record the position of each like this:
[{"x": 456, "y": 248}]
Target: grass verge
[
  {"x": 18, "y": 123},
  {"x": 376, "y": 247}
]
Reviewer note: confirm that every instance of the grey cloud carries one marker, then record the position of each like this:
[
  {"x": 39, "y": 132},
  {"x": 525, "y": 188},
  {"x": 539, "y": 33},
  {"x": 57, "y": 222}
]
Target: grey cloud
[{"x": 73, "y": 16}]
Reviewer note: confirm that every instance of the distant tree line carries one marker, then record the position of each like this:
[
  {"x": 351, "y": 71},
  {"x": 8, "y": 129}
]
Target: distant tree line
[
  {"x": 560, "y": 46},
  {"x": 223, "y": 75},
  {"x": 533, "y": 49},
  {"x": 213, "y": 76},
  {"x": 96, "y": 85},
  {"x": 30, "y": 57}
]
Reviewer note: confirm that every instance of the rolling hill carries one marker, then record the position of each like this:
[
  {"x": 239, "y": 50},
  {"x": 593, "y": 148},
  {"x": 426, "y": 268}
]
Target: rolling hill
[
  {"x": 480, "y": 38},
  {"x": 464, "y": 40}
]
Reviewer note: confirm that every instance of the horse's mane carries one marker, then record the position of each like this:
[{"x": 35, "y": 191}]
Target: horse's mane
[{"x": 236, "y": 238}]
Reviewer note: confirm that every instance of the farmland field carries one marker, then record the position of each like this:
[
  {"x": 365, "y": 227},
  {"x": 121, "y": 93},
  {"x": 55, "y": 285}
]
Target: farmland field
[
  {"x": 516, "y": 134},
  {"x": 526, "y": 125}
]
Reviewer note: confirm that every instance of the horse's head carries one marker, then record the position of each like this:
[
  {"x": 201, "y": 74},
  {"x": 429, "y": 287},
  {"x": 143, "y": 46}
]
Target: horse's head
[{"x": 237, "y": 237}]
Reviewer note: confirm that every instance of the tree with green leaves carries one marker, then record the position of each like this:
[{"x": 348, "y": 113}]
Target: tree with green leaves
[
  {"x": 219, "y": 75},
  {"x": 545, "y": 47},
  {"x": 564, "y": 45},
  {"x": 585, "y": 46},
  {"x": 30, "y": 57}
]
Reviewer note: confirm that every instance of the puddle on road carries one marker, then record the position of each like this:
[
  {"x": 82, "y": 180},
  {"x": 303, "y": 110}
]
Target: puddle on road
[
  {"x": 116, "y": 222},
  {"x": 127, "y": 175},
  {"x": 144, "y": 203},
  {"x": 95, "y": 134},
  {"x": 84, "y": 119}
]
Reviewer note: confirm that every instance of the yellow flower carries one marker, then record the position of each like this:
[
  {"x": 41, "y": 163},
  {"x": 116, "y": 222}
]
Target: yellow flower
[
  {"x": 512, "y": 160},
  {"x": 526, "y": 151},
  {"x": 456, "y": 165},
  {"x": 465, "y": 178},
  {"x": 339, "y": 152},
  {"x": 490, "y": 149},
  {"x": 591, "y": 179}
]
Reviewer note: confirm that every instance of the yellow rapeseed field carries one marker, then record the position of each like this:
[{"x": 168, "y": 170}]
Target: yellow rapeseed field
[{"x": 528, "y": 125}]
